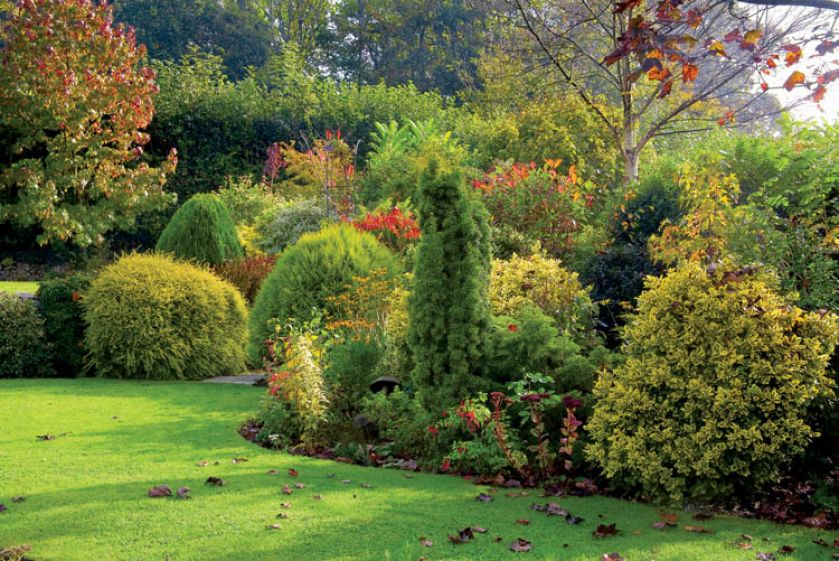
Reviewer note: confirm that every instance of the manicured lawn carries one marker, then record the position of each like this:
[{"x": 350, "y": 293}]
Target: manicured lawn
[
  {"x": 18, "y": 286},
  {"x": 86, "y": 492}
]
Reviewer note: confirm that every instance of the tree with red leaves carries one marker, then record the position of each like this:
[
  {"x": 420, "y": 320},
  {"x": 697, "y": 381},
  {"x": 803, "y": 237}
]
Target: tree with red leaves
[
  {"x": 74, "y": 100},
  {"x": 675, "y": 66}
]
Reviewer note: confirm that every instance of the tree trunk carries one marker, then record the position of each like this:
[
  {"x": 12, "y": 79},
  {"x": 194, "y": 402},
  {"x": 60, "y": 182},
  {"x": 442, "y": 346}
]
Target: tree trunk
[{"x": 630, "y": 166}]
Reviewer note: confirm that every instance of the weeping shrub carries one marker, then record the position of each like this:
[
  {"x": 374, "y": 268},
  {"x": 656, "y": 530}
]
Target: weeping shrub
[
  {"x": 152, "y": 317},
  {"x": 713, "y": 396},
  {"x": 319, "y": 265},
  {"x": 201, "y": 230}
]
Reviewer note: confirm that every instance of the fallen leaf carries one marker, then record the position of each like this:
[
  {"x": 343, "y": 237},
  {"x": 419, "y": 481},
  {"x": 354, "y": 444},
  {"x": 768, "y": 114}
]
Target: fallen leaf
[
  {"x": 300, "y": 485},
  {"x": 366, "y": 486},
  {"x": 553, "y": 509},
  {"x": 273, "y": 472},
  {"x": 702, "y": 516},
  {"x": 293, "y": 472},
  {"x": 317, "y": 497},
  {"x": 573, "y": 520},
  {"x": 746, "y": 537},
  {"x": 216, "y": 481},
  {"x": 818, "y": 520},
  {"x": 346, "y": 481},
  {"x": 821, "y": 542},
  {"x": 521, "y": 545},
  {"x": 183, "y": 493},
  {"x": 479, "y": 530},
  {"x": 18, "y": 499},
  {"x": 605, "y": 530},
  {"x": 742, "y": 545},
  {"x": 484, "y": 498},
  {"x": 3, "y": 508},
  {"x": 287, "y": 490},
  {"x": 669, "y": 517},
  {"x": 239, "y": 460},
  {"x": 282, "y": 515},
  {"x": 523, "y": 521},
  {"x": 697, "y": 529},
  {"x": 203, "y": 463},
  {"x": 425, "y": 542},
  {"x": 462, "y": 536},
  {"x": 45, "y": 437},
  {"x": 786, "y": 549},
  {"x": 498, "y": 539},
  {"x": 285, "y": 505},
  {"x": 764, "y": 556},
  {"x": 662, "y": 525},
  {"x": 272, "y": 527},
  {"x": 15, "y": 553},
  {"x": 160, "y": 491},
  {"x": 614, "y": 556}
]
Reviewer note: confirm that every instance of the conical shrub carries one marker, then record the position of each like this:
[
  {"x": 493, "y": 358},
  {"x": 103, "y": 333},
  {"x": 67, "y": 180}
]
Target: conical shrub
[{"x": 202, "y": 230}]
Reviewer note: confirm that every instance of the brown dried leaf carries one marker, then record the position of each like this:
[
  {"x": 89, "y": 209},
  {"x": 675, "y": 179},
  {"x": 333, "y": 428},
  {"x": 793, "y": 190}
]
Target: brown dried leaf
[
  {"x": 462, "y": 536},
  {"x": 160, "y": 491},
  {"x": 293, "y": 472},
  {"x": 317, "y": 497},
  {"x": 239, "y": 460},
  {"x": 273, "y": 472},
  {"x": 18, "y": 499},
  {"x": 614, "y": 556},
  {"x": 521, "y": 545},
  {"x": 287, "y": 490},
  {"x": 215, "y": 481},
  {"x": 697, "y": 529},
  {"x": 285, "y": 505},
  {"x": 425, "y": 542},
  {"x": 479, "y": 530},
  {"x": 272, "y": 527},
  {"x": 300, "y": 485},
  {"x": 523, "y": 521},
  {"x": 605, "y": 530},
  {"x": 786, "y": 549},
  {"x": 203, "y": 463},
  {"x": 183, "y": 493}
]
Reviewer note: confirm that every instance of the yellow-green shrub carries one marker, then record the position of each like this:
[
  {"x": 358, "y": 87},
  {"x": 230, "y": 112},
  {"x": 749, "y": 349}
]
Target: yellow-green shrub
[
  {"x": 538, "y": 280},
  {"x": 712, "y": 398},
  {"x": 151, "y": 317}
]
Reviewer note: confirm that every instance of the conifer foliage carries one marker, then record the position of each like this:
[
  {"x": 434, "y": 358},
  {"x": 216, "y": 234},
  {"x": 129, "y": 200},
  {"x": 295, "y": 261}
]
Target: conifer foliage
[
  {"x": 202, "y": 230},
  {"x": 449, "y": 307}
]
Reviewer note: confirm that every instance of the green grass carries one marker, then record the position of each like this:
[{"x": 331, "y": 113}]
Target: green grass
[
  {"x": 18, "y": 286},
  {"x": 86, "y": 492}
]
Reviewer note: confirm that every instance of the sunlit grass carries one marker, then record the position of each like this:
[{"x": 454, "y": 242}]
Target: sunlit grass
[
  {"x": 18, "y": 286},
  {"x": 86, "y": 492}
]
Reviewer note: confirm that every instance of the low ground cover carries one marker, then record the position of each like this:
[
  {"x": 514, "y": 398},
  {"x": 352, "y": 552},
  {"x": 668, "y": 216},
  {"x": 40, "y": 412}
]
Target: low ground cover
[{"x": 86, "y": 493}]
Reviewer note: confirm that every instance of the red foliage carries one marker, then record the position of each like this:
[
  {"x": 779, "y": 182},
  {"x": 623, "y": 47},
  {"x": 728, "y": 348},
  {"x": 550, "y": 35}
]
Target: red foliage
[
  {"x": 247, "y": 274},
  {"x": 395, "y": 229}
]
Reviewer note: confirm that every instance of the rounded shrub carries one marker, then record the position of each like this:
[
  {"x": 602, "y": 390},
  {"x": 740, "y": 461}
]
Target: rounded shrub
[
  {"x": 288, "y": 222},
  {"x": 24, "y": 351},
  {"x": 713, "y": 396},
  {"x": 319, "y": 265},
  {"x": 537, "y": 280},
  {"x": 152, "y": 317},
  {"x": 59, "y": 301},
  {"x": 202, "y": 230}
]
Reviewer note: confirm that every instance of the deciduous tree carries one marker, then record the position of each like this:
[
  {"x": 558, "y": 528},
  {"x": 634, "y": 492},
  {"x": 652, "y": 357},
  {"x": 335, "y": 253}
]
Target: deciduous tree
[{"x": 74, "y": 100}]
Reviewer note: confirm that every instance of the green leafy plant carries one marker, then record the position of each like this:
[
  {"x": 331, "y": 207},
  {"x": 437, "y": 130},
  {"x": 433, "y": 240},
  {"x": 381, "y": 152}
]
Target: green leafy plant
[
  {"x": 318, "y": 266},
  {"x": 286, "y": 224},
  {"x": 24, "y": 350},
  {"x": 201, "y": 230},
  {"x": 152, "y": 317},
  {"x": 713, "y": 396},
  {"x": 449, "y": 307},
  {"x": 59, "y": 301}
]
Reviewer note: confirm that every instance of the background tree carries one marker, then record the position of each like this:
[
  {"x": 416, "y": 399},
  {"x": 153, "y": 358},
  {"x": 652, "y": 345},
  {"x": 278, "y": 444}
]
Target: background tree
[
  {"x": 169, "y": 29},
  {"x": 432, "y": 43},
  {"x": 74, "y": 101},
  {"x": 449, "y": 307},
  {"x": 584, "y": 42}
]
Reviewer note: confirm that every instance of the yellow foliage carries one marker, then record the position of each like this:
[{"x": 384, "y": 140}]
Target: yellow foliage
[
  {"x": 713, "y": 396},
  {"x": 541, "y": 281}
]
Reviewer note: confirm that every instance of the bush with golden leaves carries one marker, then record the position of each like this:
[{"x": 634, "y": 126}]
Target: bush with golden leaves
[{"x": 713, "y": 396}]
